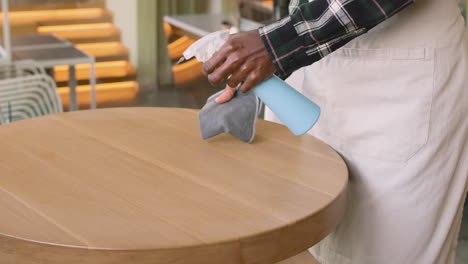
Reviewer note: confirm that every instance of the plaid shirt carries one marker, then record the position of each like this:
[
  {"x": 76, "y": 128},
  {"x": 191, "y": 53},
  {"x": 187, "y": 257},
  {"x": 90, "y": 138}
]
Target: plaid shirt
[{"x": 316, "y": 28}]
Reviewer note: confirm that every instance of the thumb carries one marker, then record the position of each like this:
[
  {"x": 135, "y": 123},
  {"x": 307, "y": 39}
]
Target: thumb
[{"x": 227, "y": 95}]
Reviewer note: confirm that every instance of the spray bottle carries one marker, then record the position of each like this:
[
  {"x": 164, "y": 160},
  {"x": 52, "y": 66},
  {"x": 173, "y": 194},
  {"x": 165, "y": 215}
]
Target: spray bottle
[{"x": 297, "y": 112}]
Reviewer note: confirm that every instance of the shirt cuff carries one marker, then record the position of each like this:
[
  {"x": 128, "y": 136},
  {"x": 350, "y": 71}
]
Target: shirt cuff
[{"x": 284, "y": 46}]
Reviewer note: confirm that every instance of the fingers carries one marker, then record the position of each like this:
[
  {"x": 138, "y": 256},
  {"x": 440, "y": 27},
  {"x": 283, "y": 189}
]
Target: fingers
[
  {"x": 227, "y": 95},
  {"x": 244, "y": 58},
  {"x": 239, "y": 76},
  {"x": 252, "y": 80},
  {"x": 224, "y": 70},
  {"x": 218, "y": 58}
]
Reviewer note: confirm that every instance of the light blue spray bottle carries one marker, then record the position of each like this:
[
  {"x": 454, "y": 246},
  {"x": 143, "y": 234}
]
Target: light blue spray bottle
[{"x": 297, "y": 112}]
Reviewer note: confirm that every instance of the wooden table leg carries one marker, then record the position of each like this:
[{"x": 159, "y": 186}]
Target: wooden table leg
[{"x": 302, "y": 258}]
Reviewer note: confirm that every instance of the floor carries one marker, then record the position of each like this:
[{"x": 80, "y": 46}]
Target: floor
[
  {"x": 194, "y": 95},
  {"x": 191, "y": 95}
]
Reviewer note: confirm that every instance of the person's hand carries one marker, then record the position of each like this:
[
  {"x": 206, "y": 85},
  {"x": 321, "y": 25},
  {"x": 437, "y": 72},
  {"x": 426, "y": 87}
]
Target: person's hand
[
  {"x": 226, "y": 95},
  {"x": 245, "y": 59}
]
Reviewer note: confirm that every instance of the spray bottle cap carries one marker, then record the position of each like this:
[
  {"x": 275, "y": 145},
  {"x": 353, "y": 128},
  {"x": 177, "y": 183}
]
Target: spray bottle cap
[{"x": 204, "y": 48}]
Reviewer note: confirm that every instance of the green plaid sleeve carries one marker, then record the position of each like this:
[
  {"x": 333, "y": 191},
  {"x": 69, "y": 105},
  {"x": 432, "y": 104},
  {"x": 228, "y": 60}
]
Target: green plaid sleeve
[{"x": 317, "y": 28}]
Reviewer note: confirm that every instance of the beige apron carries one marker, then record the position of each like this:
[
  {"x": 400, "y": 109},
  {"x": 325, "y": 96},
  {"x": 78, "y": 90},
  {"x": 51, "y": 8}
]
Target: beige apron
[{"x": 395, "y": 105}]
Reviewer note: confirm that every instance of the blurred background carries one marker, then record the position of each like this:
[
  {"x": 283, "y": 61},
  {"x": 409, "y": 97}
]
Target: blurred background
[{"x": 134, "y": 44}]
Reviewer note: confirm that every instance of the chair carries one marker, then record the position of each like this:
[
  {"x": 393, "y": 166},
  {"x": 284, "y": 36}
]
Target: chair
[
  {"x": 27, "y": 92},
  {"x": 20, "y": 69}
]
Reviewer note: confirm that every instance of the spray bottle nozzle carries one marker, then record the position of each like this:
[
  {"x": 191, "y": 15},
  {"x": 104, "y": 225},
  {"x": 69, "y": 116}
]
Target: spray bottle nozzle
[
  {"x": 180, "y": 61},
  {"x": 204, "y": 48}
]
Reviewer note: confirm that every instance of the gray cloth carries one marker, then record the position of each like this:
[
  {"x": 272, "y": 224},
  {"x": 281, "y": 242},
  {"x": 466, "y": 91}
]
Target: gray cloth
[{"x": 237, "y": 117}]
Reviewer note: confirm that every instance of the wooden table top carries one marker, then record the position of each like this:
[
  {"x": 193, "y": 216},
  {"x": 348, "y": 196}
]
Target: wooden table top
[{"x": 139, "y": 185}]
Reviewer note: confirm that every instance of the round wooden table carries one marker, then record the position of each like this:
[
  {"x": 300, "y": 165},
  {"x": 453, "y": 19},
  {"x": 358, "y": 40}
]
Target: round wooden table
[{"x": 139, "y": 185}]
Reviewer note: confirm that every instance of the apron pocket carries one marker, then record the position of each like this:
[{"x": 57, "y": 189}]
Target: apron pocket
[{"x": 379, "y": 101}]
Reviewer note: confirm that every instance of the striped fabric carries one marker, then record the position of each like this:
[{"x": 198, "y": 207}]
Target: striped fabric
[{"x": 316, "y": 28}]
